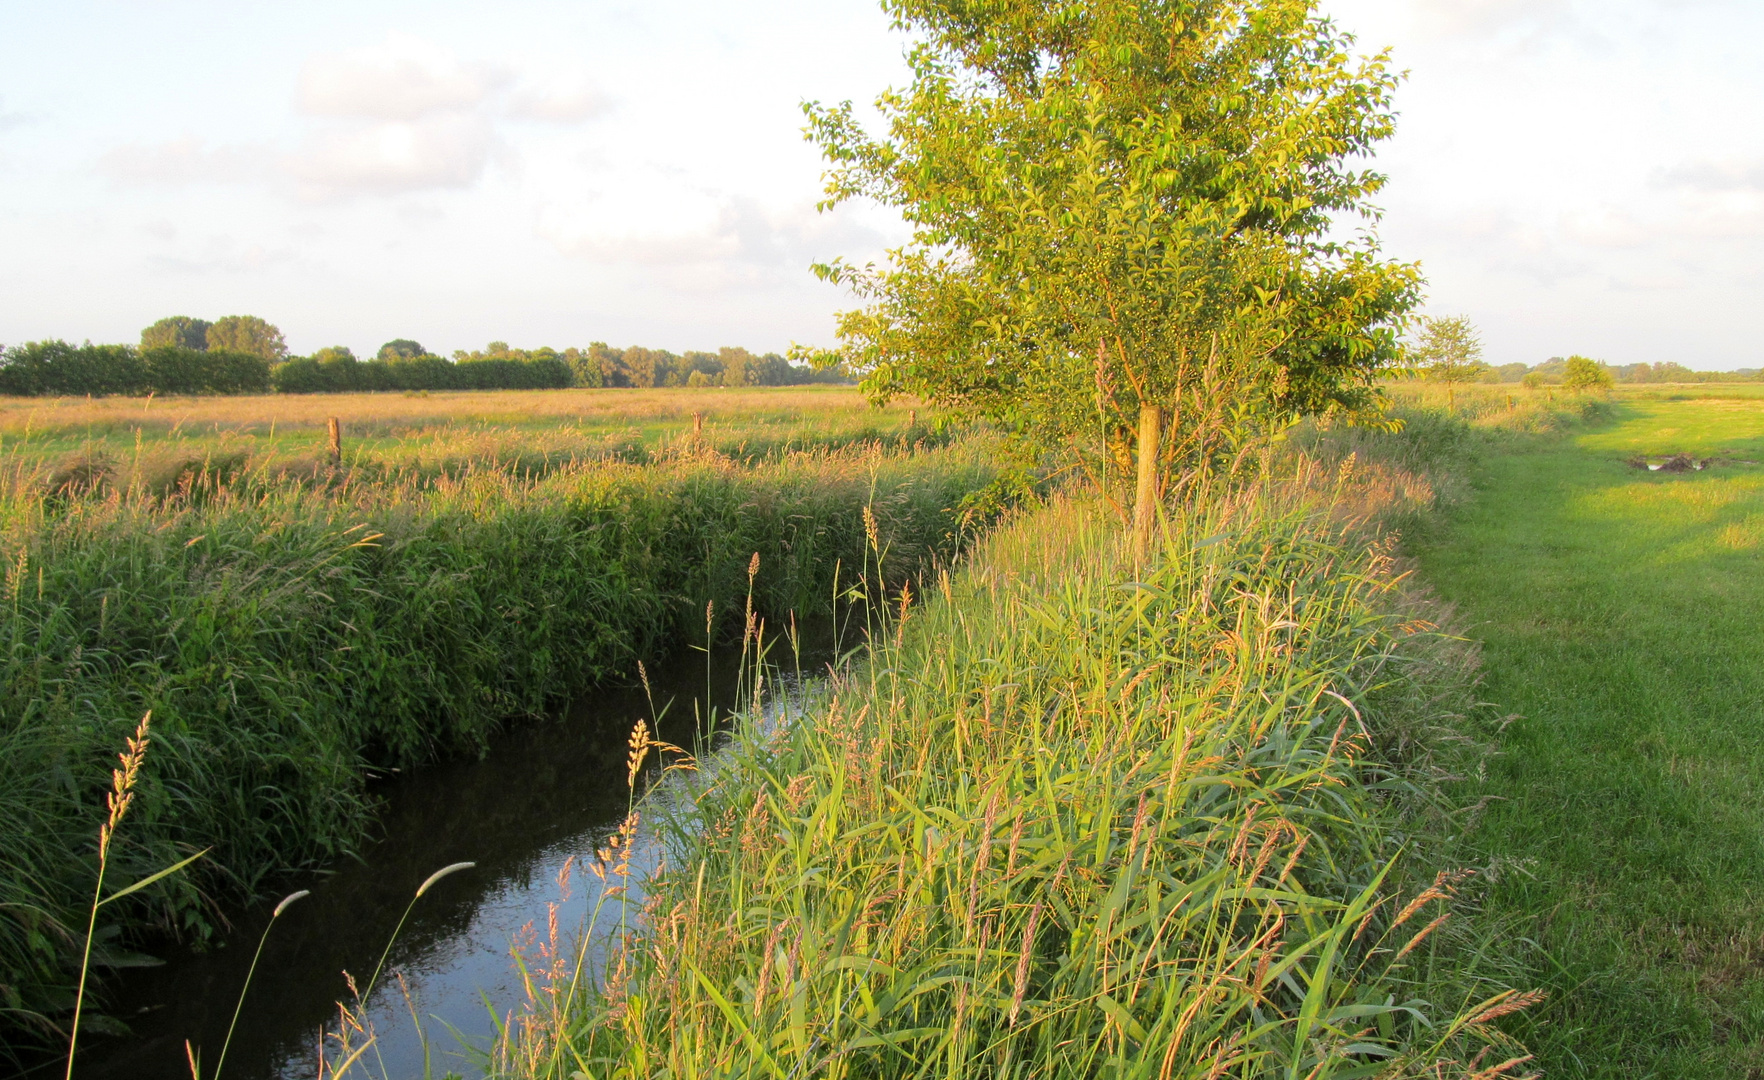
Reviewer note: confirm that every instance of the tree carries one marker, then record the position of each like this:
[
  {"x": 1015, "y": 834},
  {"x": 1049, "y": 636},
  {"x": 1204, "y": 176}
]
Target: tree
[
  {"x": 178, "y": 331},
  {"x": 247, "y": 334},
  {"x": 1585, "y": 374},
  {"x": 1449, "y": 350},
  {"x": 1122, "y": 214},
  {"x": 402, "y": 348}
]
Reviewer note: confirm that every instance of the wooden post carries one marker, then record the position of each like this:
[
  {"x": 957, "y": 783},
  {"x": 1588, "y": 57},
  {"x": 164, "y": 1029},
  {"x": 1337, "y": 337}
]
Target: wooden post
[
  {"x": 336, "y": 443},
  {"x": 1145, "y": 499},
  {"x": 912, "y": 419}
]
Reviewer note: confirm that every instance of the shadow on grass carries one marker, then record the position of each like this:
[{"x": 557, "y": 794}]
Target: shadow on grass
[{"x": 1622, "y": 615}]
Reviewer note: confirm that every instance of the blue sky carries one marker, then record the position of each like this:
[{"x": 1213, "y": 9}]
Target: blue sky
[{"x": 1574, "y": 176}]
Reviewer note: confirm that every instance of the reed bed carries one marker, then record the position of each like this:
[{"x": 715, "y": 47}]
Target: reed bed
[
  {"x": 292, "y": 637},
  {"x": 1072, "y": 818}
]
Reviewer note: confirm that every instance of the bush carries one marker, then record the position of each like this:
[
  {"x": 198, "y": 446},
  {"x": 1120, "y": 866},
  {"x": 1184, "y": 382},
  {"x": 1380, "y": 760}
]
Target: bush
[
  {"x": 41, "y": 368},
  {"x": 337, "y": 371},
  {"x": 46, "y": 368},
  {"x": 1584, "y": 374},
  {"x": 175, "y": 370}
]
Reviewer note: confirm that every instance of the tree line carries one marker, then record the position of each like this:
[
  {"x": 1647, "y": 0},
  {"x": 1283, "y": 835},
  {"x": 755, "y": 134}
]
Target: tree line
[
  {"x": 1449, "y": 349},
  {"x": 243, "y": 354}
]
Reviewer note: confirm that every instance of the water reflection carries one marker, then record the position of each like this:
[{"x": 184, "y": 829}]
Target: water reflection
[{"x": 546, "y": 794}]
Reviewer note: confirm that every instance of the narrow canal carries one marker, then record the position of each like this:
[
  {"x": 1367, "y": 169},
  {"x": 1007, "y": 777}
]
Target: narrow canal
[{"x": 545, "y": 797}]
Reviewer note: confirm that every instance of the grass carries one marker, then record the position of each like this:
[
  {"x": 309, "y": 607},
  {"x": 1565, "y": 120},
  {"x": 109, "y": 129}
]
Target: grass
[
  {"x": 44, "y": 443},
  {"x": 292, "y": 636},
  {"x": 1621, "y": 615},
  {"x": 1073, "y": 817}
]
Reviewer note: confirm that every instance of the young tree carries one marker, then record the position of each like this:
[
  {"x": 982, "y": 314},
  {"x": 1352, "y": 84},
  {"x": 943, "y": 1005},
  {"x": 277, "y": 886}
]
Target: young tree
[
  {"x": 178, "y": 331},
  {"x": 1585, "y": 374},
  {"x": 247, "y": 334},
  {"x": 1449, "y": 350},
  {"x": 1122, "y": 214}
]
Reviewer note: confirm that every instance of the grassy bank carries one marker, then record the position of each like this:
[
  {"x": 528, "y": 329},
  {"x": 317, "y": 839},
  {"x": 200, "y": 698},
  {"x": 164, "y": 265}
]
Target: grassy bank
[
  {"x": 1620, "y": 615},
  {"x": 1073, "y": 818},
  {"x": 289, "y": 637}
]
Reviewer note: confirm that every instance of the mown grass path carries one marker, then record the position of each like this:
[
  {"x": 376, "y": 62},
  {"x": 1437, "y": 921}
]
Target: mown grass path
[{"x": 1622, "y": 614}]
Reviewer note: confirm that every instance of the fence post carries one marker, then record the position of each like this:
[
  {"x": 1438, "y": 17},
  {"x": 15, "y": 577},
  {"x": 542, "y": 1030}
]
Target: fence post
[{"x": 336, "y": 443}]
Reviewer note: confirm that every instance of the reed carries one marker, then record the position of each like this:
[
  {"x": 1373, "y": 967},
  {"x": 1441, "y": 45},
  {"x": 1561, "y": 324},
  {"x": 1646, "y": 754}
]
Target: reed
[
  {"x": 293, "y": 638},
  {"x": 1072, "y": 817}
]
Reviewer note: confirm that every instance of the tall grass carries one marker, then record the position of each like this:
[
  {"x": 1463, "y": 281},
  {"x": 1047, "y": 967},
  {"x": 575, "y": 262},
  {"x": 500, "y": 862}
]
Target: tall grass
[
  {"x": 1073, "y": 817},
  {"x": 292, "y": 638},
  {"x": 80, "y": 444}
]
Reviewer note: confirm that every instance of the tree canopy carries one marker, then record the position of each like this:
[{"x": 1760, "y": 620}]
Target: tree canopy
[
  {"x": 180, "y": 331},
  {"x": 1123, "y": 210},
  {"x": 247, "y": 334}
]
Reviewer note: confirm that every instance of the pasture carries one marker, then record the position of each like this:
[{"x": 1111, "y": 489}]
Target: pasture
[
  {"x": 154, "y": 441},
  {"x": 1621, "y": 617}
]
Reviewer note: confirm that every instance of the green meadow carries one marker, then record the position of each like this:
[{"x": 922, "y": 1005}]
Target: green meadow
[{"x": 1621, "y": 618}]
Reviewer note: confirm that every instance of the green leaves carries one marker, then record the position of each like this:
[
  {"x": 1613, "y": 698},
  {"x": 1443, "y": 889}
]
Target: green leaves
[{"x": 1123, "y": 202}]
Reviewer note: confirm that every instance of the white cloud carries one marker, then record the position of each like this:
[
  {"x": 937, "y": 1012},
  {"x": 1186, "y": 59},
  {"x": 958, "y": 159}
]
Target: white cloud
[
  {"x": 1728, "y": 175},
  {"x": 185, "y": 161},
  {"x": 390, "y": 158},
  {"x": 699, "y": 239},
  {"x": 559, "y": 98},
  {"x": 402, "y": 116},
  {"x": 404, "y": 78}
]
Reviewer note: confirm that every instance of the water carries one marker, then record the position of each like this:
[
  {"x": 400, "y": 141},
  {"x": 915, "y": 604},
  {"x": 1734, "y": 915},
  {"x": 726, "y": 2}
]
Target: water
[{"x": 546, "y": 794}]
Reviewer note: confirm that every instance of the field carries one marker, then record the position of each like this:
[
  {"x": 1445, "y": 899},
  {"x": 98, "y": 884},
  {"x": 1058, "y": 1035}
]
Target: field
[
  {"x": 293, "y": 630},
  {"x": 156, "y": 441},
  {"x": 1262, "y": 804},
  {"x": 1621, "y": 613}
]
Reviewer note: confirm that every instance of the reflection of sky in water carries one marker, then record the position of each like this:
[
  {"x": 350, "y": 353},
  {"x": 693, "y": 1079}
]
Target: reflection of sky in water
[
  {"x": 452, "y": 979},
  {"x": 546, "y": 794}
]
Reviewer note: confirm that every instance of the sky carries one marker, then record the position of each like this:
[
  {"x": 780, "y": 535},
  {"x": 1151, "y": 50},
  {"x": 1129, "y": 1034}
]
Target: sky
[{"x": 1576, "y": 176}]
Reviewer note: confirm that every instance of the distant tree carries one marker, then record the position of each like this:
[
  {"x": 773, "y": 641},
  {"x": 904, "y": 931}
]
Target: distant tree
[
  {"x": 648, "y": 367},
  {"x": 178, "y": 331},
  {"x": 1552, "y": 370},
  {"x": 1510, "y": 373},
  {"x": 1533, "y": 380},
  {"x": 1448, "y": 350},
  {"x": 1669, "y": 372},
  {"x": 247, "y": 334},
  {"x": 57, "y": 368},
  {"x": 611, "y": 363},
  {"x": 1584, "y": 374},
  {"x": 709, "y": 365},
  {"x": 403, "y": 348}
]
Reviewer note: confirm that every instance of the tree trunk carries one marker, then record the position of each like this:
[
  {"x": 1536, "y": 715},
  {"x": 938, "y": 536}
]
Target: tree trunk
[{"x": 1145, "y": 498}]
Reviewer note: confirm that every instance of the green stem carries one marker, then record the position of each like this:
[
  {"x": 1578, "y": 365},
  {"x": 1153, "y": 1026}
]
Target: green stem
[{"x": 73, "y": 1035}]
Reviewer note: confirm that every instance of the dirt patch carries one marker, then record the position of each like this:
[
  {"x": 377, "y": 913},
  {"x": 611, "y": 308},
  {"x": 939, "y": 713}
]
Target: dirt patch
[{"x": 1672, "y": 463}]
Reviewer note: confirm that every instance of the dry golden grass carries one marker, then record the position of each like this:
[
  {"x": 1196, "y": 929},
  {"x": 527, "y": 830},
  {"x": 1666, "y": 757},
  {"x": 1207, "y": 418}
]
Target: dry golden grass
[
  {"x": 19, "y": 416},
  {"x": 48, "y": 443}
]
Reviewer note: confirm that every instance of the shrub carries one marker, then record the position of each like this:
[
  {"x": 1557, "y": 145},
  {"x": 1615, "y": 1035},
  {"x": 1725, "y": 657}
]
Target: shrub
[
  {"x": 56, "y": 368},
  {"x": 1584, "y": 374}
]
